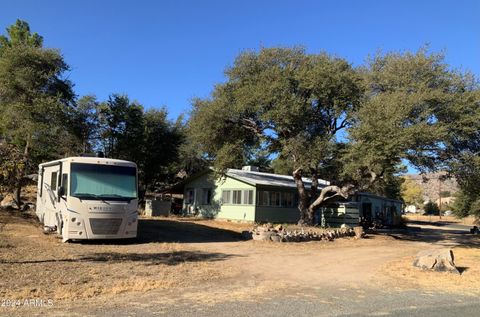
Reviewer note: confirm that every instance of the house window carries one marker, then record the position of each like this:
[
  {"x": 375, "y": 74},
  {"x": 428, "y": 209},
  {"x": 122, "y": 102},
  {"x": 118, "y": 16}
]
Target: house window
[
  {"x": 190, "y": 196},
  {"x": 275, "y": 199},
  {"x": 287, "y": 199},
  {"x": 53, "y": 181},
  {"x": 263, "y": 198},
  {"x": 206, "y": 196},
  {"x": 226, "y": 197},
  {"x": 248, "y": 197},
  {"x": 237, "y": 197}
]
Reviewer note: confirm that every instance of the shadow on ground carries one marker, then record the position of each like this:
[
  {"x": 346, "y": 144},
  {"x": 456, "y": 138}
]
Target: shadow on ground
[
  {"x": 166, "y": 258},
  {"x": 439, "y": 223},
  {"x": 162, "y": 230},
  {"x": 447, "y": 238}
]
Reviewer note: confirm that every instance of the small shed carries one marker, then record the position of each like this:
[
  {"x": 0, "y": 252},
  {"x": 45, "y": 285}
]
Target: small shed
[
  {"x": 377, "y": 208},
  {"x": 338, "y": 214}
]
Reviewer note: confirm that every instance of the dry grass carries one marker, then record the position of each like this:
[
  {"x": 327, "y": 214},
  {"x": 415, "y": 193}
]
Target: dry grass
[
  {"x": 403, "y": 275},
  {"x": 35, "y": 265},
  {"x": 470, "y": 221}
]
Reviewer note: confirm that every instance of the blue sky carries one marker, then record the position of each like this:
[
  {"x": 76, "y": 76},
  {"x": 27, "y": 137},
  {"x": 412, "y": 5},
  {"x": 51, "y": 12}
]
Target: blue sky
[{"x": 163, "y": 53}]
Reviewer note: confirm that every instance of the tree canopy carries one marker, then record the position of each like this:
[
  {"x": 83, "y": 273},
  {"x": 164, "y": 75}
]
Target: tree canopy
[
  {"x": 41, "y": 118},
  {"x": 321, "y": 117},
  {"x": 34, "y": 94}
]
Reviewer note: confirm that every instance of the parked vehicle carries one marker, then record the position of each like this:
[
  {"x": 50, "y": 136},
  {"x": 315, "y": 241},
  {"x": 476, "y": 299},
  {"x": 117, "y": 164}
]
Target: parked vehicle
[{"x": 88, "y": 198}]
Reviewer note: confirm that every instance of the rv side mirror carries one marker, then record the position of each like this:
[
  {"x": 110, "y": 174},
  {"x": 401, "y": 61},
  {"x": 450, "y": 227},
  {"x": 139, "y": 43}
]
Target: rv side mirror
[{"x": 61, "y": 191}]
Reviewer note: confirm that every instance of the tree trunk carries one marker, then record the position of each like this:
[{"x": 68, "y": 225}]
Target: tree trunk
[
  {"x": 17, "y": 194},
  {"x": 18, "y": 190},
  {"x": 302, "y": 197},
  {"x": 310, "y": 216},
  {"x": 337, "y": 191}
]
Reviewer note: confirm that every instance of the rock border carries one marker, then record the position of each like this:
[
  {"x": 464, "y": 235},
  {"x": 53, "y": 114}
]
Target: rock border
[{"x": 268, "y": 232}]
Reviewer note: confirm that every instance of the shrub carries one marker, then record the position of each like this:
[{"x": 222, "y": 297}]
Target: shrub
[{"x": 431, "y": 208}]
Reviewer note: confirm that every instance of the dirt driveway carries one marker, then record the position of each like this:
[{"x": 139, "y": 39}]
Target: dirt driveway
[{"x": 207, "y": 262}]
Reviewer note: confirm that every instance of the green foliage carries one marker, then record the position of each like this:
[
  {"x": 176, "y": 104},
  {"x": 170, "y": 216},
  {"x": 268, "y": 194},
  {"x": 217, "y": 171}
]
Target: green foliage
[
  {"x": 466, "y": 204},
  {"x": 283, "y": 101},
  {"x": 398, "y": 107},
  {"x": 19, "y": 35},
  {"x": 445, "y": 193},
  {"x": 11, "y": 167},
  {"x": 35, "y": 98},
  {"x": 398, "y": 118},
  {"x": 431, "y": 208},
  {"x": 412, "y": 193},
  {"x": 162, "y": 142},
  {"x": 84, "y": 123}
]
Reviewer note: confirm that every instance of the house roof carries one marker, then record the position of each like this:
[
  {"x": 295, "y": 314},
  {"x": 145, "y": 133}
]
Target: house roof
[
  {"x": 268, "y": 179},
  {"x": 379, "y": 197}
]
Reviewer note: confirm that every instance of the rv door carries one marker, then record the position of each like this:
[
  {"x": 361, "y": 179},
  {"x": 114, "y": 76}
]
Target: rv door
[{"x": 51, "y": 182}]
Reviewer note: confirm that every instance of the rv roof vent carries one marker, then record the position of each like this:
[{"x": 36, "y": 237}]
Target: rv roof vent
[{"x": 250, "y": 168}]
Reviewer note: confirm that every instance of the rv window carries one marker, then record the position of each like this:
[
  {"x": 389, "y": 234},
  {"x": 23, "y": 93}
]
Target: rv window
[
  {"x": 99, "y": 181},
  {"x": 65, "y": 183},
  {"x": 53, "y": 181}
]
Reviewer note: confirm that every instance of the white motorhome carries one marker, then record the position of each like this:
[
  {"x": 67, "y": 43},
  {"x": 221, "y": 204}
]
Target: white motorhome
[{"x": 88, "y": 198}]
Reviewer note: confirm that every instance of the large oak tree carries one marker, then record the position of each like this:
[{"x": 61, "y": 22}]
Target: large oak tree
[{"x": 326, "y": 119}]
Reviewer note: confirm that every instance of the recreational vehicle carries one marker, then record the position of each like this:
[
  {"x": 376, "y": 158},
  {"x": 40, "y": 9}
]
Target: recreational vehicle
[{"x": 88, "y": 198}]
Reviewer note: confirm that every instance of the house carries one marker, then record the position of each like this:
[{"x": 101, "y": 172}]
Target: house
[
  {"x": 253, "y": 196},
  {"x": 411, "y": 209},
  {"x": 377, "y": 208}
]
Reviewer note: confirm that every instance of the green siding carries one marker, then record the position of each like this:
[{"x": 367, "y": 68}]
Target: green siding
[
  {"x": 277, "y": 214},
  {"x": 337, "y": 216},
  {"x": 216, "y": 209},
  {"x": 332, "y": 217}
]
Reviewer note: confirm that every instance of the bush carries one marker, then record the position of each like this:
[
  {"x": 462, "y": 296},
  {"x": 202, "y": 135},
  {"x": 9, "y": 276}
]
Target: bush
[
  {"x": 461, "y": 205},
  {"x": 431, "y": 208}
]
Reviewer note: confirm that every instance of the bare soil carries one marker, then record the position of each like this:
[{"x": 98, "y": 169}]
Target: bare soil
[{"x": 177, "y": 254}]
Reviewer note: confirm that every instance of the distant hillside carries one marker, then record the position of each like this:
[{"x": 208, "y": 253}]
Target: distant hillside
[{"x": 432, "y": 184}]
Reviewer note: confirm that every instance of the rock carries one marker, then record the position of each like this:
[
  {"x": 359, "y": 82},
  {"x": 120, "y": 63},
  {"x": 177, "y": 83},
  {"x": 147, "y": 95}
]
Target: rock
[
  {"x": 359, "y": 233},
  {"x": 246, "y": 235},
  {"x": 263, "y": 236},
  {"x": 439, "y": 260},
  {"x": 262, "y": 229},
  {"x": 8, "y": 202},
  {"x": 275, "y": 238},
  {"x": 474, "y": 230},
  {"x": 279, "y": 228}
]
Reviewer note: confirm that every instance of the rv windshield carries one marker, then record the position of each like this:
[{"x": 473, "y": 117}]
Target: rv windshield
[{"x": 99, "y": 182}]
